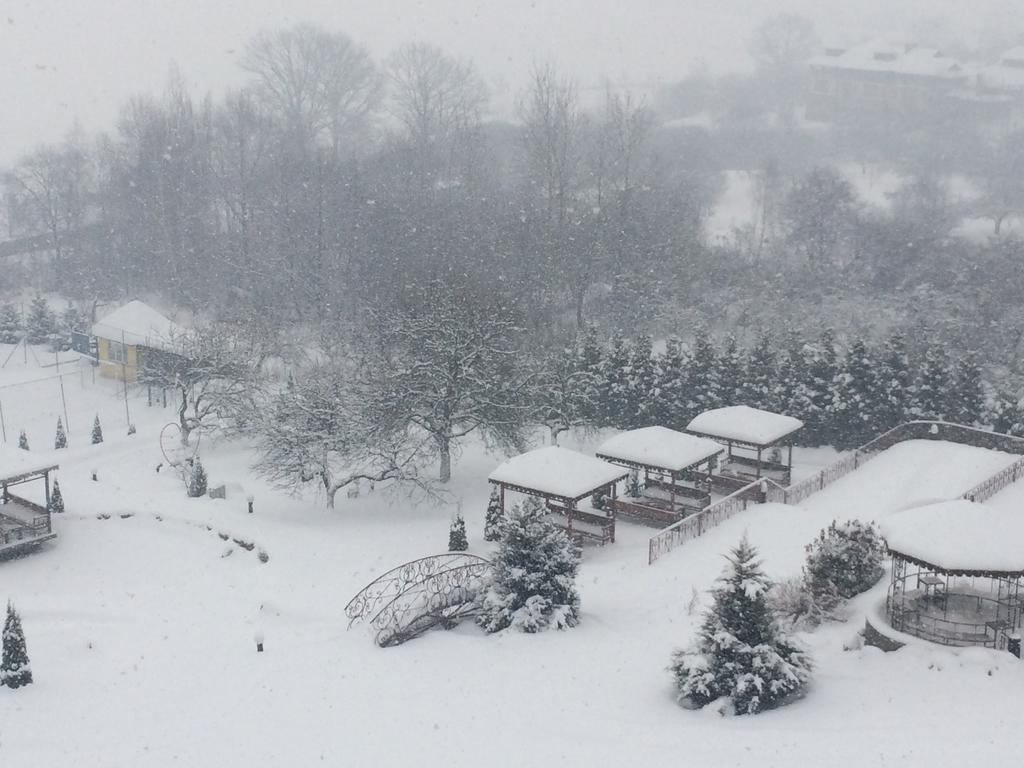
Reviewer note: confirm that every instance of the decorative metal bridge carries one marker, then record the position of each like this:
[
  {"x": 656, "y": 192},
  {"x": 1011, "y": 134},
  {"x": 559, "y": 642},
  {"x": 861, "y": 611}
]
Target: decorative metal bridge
[{"x": 408, "y": 600}]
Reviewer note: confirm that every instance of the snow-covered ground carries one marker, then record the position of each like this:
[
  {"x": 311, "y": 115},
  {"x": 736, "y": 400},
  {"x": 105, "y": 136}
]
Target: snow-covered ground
[{"x": 140, "y": 627}]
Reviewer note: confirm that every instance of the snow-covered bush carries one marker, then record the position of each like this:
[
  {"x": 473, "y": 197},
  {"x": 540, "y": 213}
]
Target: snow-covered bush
[
  {"x": 534, "y": 581},
  {"x": 634, "y": 488},
  {"x": 56, "y": 505},
  {"x": 457, "y": 541},
  {"x": 40, "y": 322},
  {"x": 61, "y": 438},
  {"x": 741, "y": 655},
  {"x": 10, "y": 325},
  {"x": 494, "y": 517},
  {"x": 599, "y": 501},
  {"x": 847, "y": 557},
  {"x": 196, "y": 485},
  {"x": 97, "y": 431},
  {"x": 23, "y": 441},
  {"x": 15, "y": 670},
  {"x": 798, "y": 606}
]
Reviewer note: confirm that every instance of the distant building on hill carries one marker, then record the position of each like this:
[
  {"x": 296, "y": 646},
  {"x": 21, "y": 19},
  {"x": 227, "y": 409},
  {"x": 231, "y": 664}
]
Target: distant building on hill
[{"x": 126, "y": 335}]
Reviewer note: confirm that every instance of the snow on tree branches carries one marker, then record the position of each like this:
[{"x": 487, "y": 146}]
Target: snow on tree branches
[
  {"x": 457, "y": 541},
  {"x": 741, "y": 656},
  {"x": 15, "y": 669}
]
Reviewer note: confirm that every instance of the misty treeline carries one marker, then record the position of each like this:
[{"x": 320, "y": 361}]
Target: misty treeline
[{"x": 422, "y": 268}]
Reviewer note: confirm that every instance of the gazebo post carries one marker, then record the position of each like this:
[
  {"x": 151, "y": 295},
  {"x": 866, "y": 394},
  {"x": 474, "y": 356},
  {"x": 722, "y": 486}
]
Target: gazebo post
[
  {"x": 789, "y": 463},
  {"x": 672, "y": 491},
  {"x": 568, "y": 516},
  {"x": 501, "y": 497},
  {"x": 759, "y": 462},
  {"x": 46, "y": 483}
]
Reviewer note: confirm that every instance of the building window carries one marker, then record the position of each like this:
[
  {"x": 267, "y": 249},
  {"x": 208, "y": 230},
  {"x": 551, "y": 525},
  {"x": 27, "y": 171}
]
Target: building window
[{"x": 117, "y": 352}]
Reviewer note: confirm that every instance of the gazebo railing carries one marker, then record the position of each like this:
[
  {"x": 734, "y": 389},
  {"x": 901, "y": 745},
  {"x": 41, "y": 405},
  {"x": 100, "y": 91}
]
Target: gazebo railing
[{"x": 991, "y": 486}]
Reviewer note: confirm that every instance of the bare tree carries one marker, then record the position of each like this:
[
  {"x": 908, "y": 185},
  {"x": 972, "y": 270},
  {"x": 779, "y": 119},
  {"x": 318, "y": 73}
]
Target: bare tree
[
  {"x": 627, "y": 124},
  {"x": 321, "y": 84}
]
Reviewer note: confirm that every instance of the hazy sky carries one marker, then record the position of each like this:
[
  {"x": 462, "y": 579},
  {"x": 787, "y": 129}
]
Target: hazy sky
[{"x": 67, "y": 59}]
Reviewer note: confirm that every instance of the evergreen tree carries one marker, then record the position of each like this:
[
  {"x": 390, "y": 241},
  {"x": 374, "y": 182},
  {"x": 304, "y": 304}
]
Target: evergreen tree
[
  {"x": 614, "y": 407},
  {"x": 39, "y": 324},
  {"x": 822, "y": 369},
  {"x": 196, "y": 485},
  {"x": 97, "y": 431},
  {"x": 61, "y": 439},
  {"x": 23, "y": 441},
  {"x": 15, "y": 669},
  {"x": 494, "y": 517},
  {"x": 967, "y": 395},
  {"x": 845, "y": 559},
  {"x": 10, "y": 324},
  {"x": 641, "y": 395},
  {"x": 741, "y": 654},
  {"x": 794, "y": 392},
  {"x": 730, "y": 372},
  {"x": 457, "y": 541},
  {"x": 760, "y": 376},
  {"x": 1007, "y": 415},
  {"x": 672, "y": 398},
  {"x": 932, "y": 396},
  {"x": 703, "y": 384},
  {"x": 56, "y": 505},
  {"x": 533, "y": 586},
  {"x": 857, "y": 399},
  {"x": 896, "y": 383}
]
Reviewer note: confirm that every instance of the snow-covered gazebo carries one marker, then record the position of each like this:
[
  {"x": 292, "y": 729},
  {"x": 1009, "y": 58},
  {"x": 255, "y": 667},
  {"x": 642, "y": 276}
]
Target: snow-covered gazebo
[
  {"x": 753, "y": 431},
  {"x": 677, "y": 471},
  {"x": 23, "y": 523},
  {"x": 563, "y": 478},
  {"x": 957, "y": 572}
]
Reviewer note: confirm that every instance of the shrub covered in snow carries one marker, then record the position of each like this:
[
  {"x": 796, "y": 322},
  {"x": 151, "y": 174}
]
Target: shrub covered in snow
[
  {"x": 741, "y": 656},
  {"x": 196, "y": 485},
  {"x": 97, "y": 431},
  {"x": 494, "y": 517},
  {"x": 799, "y": 607},
  {"x": 23, "y": 441},
  {"x": 457, "y": 541},
  {"x": 56, "y": 505},
  {"x": 61, "y": 438},
  {"x": 15, "y": 670},
  {"x": 10, "y": 324},
  {"x": 846, "y": 558},
  {"x": 40, "y": 322},
  {"x": 534, "y": 582}
]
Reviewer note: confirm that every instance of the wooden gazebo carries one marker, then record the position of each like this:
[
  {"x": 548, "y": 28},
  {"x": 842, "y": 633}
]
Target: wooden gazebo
[
  {"x": 677, "y": 470},
  {"x": 957, "y": 573},
  {"x": 563, "y": 479},
  {"x": 23, "y": 523},
  {"x": 747, "y": 434}
]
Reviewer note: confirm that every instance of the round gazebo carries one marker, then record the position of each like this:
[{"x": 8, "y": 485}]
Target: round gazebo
[{"x": 957, "y": 569}]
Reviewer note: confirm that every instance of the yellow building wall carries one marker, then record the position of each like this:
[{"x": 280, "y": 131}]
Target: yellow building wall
[{"x": 127, "y": 371}]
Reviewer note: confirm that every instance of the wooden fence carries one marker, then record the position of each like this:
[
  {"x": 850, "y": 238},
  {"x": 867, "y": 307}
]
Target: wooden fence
[{"x": 767, "y": 490}]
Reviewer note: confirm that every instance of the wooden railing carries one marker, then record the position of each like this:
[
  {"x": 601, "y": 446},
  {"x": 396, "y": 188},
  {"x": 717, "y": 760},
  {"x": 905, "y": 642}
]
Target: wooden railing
[{"x": 695, "y": 525}]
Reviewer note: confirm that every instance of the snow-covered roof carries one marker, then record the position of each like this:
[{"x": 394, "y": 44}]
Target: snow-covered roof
[
  {"x": 137, "y": 323},
  {"x": 16, "y": 463},
  {"x": 659, "y": 447},
  {"x": 555, "y": 471},
  {"x": 743, "y": 424},
  {"x": 916, "y": 61},
  {"x": 959, "y": 536}
]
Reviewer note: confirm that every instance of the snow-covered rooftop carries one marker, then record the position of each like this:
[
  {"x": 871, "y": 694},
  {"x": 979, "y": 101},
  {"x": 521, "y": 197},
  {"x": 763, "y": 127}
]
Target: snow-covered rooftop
[
  {"x": 659, "y": 447},
  {"x": 558, "y": 472},
  {"x": 138, "y": 323},
  {"x": 744, "y": 424},
  {"x": 959, "y": 535},
  {"x": 17, "y": 463},
  {"x": 917, "y": 61}
]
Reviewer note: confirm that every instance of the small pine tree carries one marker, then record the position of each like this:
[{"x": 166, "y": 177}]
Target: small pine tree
[
  {"x": 494, "y": 517},
  {"x": 1007, "y": 414},
  {"x": 968, "y": 392},
  {"x": 15, "y": 670},
  {"x": 846, "y": 559},
  {"x": 61, "y": 438},
  {"x": 533, "y": 586},
  {"x": 56, "y": 504},
  {"x": 741, "y": 654},
  {"x": 97, "y": 431},
  {"x": 10, "y": 324},
  {"x": 932, "y": 397},
  {"x": 196, "y": 485},
  {"x": 895, "y": 380},
  {"x": 457, "y": 541},
  {"x": 23, "y": 441},
  {"x": 39, "y": 324}
]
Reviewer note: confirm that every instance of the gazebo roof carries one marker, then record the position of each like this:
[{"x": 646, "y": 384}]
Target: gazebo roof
[
  {"x": 658, "y": 448},
  {"x": 743, "y": 424},
  {"x": 555, "y": 472},
  {"x": 17, "y": 464},
  {"x": 958, "y": 537}
]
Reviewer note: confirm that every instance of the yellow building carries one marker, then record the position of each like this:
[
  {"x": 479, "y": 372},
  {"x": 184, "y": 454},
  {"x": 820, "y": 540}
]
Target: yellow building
[{"x": 124, "y": 336}]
